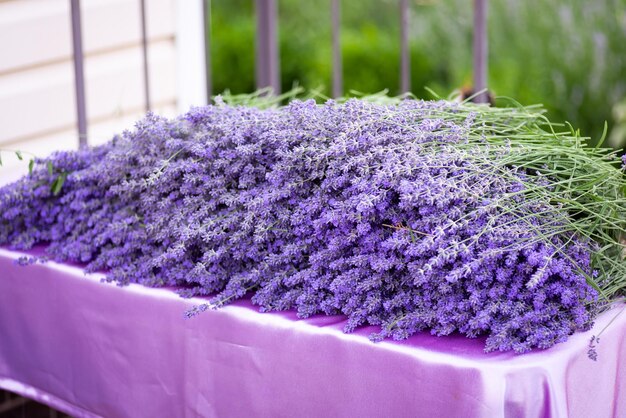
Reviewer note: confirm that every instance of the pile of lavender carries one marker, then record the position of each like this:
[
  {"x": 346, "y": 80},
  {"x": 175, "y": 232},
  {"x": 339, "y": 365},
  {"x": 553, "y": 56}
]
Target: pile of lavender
[{"x": 407, "y": 215}]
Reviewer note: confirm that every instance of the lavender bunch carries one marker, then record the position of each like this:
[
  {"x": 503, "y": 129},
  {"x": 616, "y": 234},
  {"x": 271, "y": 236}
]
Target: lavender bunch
[{"x": 408, "y": 215}]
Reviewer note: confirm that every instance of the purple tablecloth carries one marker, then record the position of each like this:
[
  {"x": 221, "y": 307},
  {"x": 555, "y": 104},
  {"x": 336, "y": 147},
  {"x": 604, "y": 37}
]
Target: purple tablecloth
[{"x": 95, "y": 349}]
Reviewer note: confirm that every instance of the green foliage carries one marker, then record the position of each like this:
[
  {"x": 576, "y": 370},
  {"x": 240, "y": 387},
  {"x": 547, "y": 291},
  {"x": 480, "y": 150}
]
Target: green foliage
[
  {"x": 57, "y": 183},
  {"x": 568, "y": 55},
  {"x": 20, "y": 156},
  {"x": 618, "y": 134},
  {"x": 232, "y": 45}
]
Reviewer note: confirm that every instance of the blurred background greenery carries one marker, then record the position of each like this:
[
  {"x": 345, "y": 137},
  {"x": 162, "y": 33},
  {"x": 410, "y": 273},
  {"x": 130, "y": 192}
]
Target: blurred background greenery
[{"x": 569, "y": 55}]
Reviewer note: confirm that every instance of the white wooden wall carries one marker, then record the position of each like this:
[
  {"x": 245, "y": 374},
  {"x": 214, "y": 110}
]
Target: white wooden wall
[{"x": 37, "y": 96}]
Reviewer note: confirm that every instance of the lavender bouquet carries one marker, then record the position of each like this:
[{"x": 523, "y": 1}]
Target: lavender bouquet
[{"x": 408, "y": 215}]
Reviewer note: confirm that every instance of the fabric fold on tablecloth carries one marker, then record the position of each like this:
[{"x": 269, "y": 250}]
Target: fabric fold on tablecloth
[{"x": 96, "y": 349}]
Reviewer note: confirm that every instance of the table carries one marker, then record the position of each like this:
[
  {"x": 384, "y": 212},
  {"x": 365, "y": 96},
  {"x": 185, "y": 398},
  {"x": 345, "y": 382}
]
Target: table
[{"x": 96, "y": 349}]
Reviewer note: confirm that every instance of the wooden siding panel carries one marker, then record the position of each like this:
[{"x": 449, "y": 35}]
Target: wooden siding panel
[
  {"x": 37, "y": 98},
  {"x": 99, "y": 133},
  {"x": 41, "y": 100},
  {"x": 36, "y": 32},
  {"x": 32, "y": 32}
]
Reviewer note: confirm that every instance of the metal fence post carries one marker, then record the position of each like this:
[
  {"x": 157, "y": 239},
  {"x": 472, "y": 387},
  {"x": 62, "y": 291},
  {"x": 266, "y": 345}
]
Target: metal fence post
[
  {"x": 337, "y": 65},
  {"x": 79, "y": 77},
  {"x": 144, "y": 48},
  {"x": 206, "y": 14},
  {"x": 480, "y": 50},
  {"x": 267, "y": 64},
  {"x": 405, "y": 58}
]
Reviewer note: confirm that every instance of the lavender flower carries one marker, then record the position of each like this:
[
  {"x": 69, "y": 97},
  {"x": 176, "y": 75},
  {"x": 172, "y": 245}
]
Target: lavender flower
[
  {"x": 393, "y": 215},
  {"x": 591, "y": 352}
]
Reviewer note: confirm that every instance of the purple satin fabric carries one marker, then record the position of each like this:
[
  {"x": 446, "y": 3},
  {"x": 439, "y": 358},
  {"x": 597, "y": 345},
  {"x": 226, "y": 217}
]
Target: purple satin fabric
[{"x": 95, "y": 349}]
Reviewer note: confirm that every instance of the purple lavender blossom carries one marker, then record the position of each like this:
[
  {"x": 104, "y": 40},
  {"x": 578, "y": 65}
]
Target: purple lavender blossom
[
  {"x": 372, "y": 211},
  {"x": 592, "y": 353}
]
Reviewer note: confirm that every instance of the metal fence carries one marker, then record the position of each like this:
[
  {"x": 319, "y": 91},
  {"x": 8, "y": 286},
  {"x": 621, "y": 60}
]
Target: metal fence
[{"x": 267, "y": 55}]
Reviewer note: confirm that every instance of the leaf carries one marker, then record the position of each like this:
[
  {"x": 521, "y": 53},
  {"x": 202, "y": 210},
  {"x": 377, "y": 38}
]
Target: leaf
[
  {"x": 432, "y": 93},
  {"x": 31, "y": 165},
  {"x": 601, "y": 141},
  {"x": 53, "y": 186},
  {"x": 0, "y": 160},
  {"x": 50, "y": 168},
  {"x": 58, "y": 183},
  {"x": 19, "y": 155}
]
